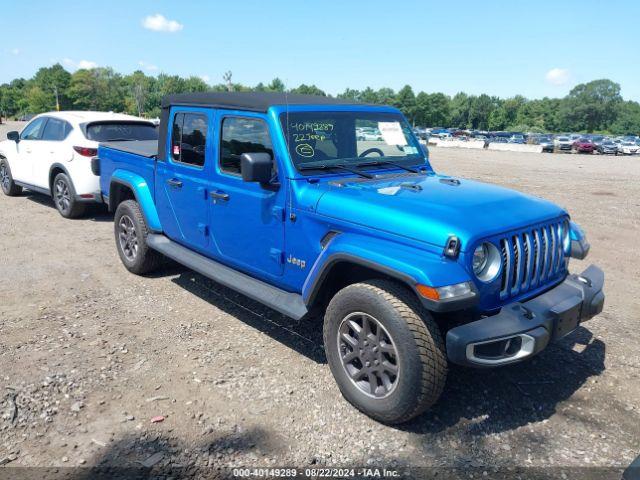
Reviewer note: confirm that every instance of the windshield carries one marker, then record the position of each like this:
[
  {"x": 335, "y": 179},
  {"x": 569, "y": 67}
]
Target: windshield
[
  {"x": 114, "y": 131},
  {"x": 563, "y": 139},
  {"x": 349, "y": 138}
]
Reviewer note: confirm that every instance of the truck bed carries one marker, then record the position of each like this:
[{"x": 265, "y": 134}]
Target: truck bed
[
  {"x": 136, "y": 159},
  {"x": 144, "y": 148}
]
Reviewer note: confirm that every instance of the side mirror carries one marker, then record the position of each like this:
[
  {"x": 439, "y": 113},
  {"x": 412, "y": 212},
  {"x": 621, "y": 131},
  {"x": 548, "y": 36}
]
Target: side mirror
[
  {"x": 256, "y": 167},
  {"x": 15, "y": 136}
]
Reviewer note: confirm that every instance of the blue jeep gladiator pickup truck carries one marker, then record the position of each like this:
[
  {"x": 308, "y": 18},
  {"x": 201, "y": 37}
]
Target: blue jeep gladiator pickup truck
[{"x": 310, "y": 203}]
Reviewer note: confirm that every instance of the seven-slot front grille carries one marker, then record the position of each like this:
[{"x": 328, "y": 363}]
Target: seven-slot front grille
[{"x": 531, "y": 258}]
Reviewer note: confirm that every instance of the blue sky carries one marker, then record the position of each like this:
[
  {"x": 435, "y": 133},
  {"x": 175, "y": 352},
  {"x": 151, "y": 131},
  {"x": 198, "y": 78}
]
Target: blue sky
[{"x": 505, "y": 48}]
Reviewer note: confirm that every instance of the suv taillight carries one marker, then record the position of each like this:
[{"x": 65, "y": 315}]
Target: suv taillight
[{"x": 86, "y": 152}]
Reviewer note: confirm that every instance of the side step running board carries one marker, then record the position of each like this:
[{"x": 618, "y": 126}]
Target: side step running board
[{"x": 290, "y": 304}]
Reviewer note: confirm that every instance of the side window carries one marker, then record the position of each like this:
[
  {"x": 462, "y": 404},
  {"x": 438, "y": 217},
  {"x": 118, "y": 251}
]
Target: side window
[
  {"x": 242, "y": 135},
  {"x": 189, "y": 138},
  {"x": 55, "y": 130},
  {"x": 33, "y": 131}
]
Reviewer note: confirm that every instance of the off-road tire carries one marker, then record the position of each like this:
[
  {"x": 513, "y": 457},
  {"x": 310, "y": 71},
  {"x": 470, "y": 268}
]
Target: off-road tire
[
  {"x": 64, "y": 197},
  {"x": 145, "y": 259},
  {"x": 416, "y": 337},
  {"x": 9, "y": 187}
]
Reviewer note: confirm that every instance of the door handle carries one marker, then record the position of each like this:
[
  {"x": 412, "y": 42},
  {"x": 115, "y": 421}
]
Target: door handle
[
  {"x": 219, "y": 195},
  {"x": 28, "y": 150},
  {"x": 174, "y": 183}
]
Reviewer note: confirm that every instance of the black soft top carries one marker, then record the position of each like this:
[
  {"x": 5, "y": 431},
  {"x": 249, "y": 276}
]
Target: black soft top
[{"x": 253, "y": 101}]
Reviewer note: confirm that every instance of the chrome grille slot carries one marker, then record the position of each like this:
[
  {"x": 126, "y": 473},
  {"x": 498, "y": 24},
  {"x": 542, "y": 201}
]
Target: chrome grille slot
[{"x": 530, "y": 258}]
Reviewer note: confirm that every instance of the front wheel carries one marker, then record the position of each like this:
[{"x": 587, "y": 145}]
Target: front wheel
[
  {"x": 9, "y": 187},
  {"x": 131, "y": 232},
  {"x": 385, "y": 351}
]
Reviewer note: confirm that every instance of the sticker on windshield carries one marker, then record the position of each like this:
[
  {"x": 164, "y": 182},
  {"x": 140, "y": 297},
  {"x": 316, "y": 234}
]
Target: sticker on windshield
[
  {"x": 410, "y": 150},
  {"x": 392, "y": 133},
  {"x": 305, "y": 150}
]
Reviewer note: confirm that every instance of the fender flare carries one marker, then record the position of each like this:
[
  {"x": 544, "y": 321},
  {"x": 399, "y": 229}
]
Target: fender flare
[
  {"x": 142, "y": 194},
  {"x": 409, "y": 265},
  {"x": 61, "y": 167}
]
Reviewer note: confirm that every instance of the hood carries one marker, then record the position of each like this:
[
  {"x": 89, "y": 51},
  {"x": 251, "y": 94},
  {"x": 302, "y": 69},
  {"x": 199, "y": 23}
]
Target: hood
[{"x": 430, "y": 208}]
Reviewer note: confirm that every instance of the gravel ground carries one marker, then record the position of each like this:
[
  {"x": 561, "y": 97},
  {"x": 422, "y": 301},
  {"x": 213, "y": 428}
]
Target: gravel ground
[{"x": 90, "y": 354}]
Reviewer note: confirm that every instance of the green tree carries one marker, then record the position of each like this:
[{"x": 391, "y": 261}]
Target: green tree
[
  {"x": 276, "y": 85},
  {"x": 53, "y": 82},
  {"x": 591, "y": 106},
  {"x": 308, "y": 90},
  {"x": 406, "y": 101},
  {"x": 460, "y": 109},
  {"x": 433, "y": 110},
  {"x": 628, "y": 119},
  {"x": 97, "y": 89}
]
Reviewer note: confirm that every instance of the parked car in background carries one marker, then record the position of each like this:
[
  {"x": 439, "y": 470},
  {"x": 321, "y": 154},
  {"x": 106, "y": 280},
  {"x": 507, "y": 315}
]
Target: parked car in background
[
  {"x": 52, "y": 155},
  {"x": 583, "y": 145},
  {"x": 598, "y": 139},
  {"x": 517, "y": 139},
  {"x": 628, "y": 148},
  {"x": 563, "y": 144},
  {"x": 607, "y": 147},
  {"x": 546, "y": 143},
  {"x": 369, "y": 135}
]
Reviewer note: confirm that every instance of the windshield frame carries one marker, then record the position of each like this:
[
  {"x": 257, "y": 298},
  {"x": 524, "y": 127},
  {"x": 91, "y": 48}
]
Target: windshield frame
[{"x": 420, "y": 160}]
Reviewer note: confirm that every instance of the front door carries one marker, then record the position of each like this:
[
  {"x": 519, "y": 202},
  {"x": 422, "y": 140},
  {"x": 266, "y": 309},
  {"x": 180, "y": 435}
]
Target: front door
[
  {"x": 182, "y": 178},
  {"x": 27, "y": 150},
  {"x": 247, "y": 219}
]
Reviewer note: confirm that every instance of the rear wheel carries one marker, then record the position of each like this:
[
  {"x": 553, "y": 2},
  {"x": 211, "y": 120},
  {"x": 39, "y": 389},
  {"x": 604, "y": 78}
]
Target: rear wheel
[
  {"x": 131, "y": 232},
  {"x": 384, "y": 350},
  {"x": 64, "y": 197},
  {"x": 6, "y": 180}
]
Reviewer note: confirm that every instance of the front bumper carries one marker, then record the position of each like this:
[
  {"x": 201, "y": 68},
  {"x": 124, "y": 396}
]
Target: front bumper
[{"x": 523, "y": 329}]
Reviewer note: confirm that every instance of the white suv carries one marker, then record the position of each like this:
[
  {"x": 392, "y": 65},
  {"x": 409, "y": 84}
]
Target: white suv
[{"x": 52, "y": 155}]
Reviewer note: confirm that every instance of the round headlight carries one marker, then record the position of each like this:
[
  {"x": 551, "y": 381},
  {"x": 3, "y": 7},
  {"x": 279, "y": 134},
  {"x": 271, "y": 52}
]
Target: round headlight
[
  {"x": 480, "y": 256},
  {"x": 486, "y": 262}
]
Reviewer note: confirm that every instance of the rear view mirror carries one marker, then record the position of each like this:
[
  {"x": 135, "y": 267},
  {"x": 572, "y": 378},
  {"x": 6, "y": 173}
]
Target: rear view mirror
[
  {"x": 256, "y": 167},
  {"x": 15, "y": 136}
]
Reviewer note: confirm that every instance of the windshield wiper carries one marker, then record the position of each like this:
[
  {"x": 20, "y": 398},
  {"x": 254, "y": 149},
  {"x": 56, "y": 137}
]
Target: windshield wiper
[
  {"x": 376, "y": 163},
  {"x": 339, "y": 166}
]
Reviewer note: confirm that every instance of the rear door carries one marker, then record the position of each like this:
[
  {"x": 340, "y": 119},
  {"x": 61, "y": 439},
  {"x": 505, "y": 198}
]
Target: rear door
[
  {"x": 247, "y": 219},
  {"x": 51, "y": 149},
  {"x": 182, "y": 180}
]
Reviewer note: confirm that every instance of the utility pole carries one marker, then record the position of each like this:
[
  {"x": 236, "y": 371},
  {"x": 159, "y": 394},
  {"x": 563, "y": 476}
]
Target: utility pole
[
  {"x": 227, "y": 79},
  {"x": 55, "y": 91}
]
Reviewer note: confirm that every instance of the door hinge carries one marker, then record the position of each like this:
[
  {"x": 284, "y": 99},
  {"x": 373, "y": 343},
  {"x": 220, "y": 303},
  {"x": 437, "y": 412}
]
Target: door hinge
[
  {"x": 277, "y": 255},
  {"x": 278, "y": 213},
  {"x": 203, "y": 228}
]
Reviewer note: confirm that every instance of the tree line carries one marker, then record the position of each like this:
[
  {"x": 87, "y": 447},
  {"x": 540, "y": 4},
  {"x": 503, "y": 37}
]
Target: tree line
[{"x": 595, "y": 106}]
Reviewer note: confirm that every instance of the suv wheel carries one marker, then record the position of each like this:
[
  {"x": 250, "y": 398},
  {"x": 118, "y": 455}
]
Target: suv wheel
[
  {"x": 64, "y": 196},
  {"x": 6, "y": 181},
  {"x": 131, "y": 239},
  {"x": 384, "y": 350}
]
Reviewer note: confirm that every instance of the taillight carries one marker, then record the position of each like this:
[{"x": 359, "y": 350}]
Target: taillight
[{"x": 86, "y": 152}]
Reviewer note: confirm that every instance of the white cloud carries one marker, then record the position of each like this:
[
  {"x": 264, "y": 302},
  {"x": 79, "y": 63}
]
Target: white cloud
[
  {"x": 15, "y": 51},
  {"x": 558, "y": 76},
  {"x": 82, "y": 64},
  {"x": 205, "y": 78},
  {"x": 159, "y": 23},
  {"x": 150, "y": 67},
  {"x": 87, "y": 64}
]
